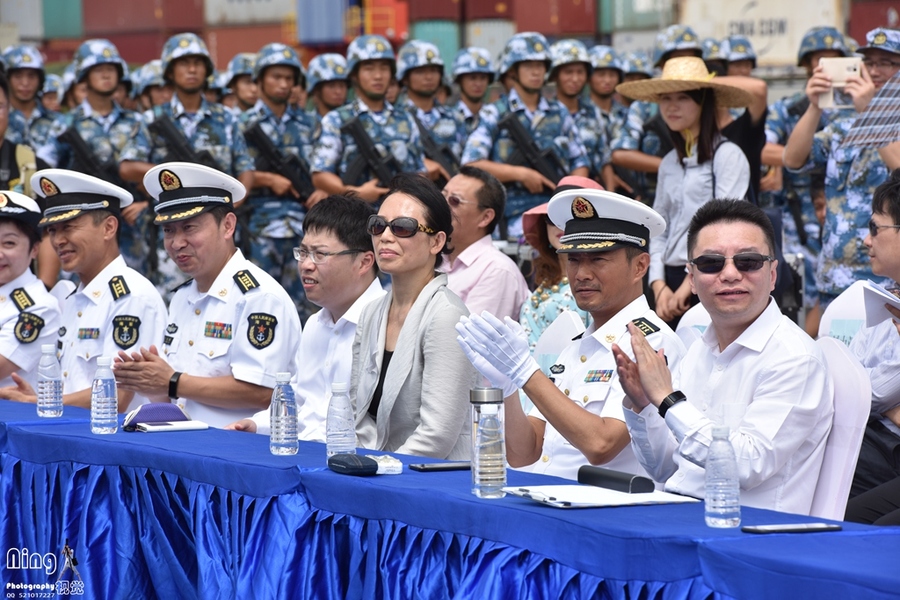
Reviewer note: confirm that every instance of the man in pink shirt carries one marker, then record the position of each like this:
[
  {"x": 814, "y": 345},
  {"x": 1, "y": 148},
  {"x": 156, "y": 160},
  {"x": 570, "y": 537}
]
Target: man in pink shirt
[{"x": 479, "y": 273}]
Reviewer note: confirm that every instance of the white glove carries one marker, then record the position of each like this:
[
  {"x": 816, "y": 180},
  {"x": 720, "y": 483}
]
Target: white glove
[
  {"x": 495, "y": 377},
  {"x": 503, "y": 345}
]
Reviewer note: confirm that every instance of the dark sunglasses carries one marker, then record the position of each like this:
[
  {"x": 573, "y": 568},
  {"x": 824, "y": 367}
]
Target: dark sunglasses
[
  {"x": 748, "y": 261},
  {"x": 874, "y": 227},
  {"x": 401, "y": 227},
  {"x": 454, "y": 200}
]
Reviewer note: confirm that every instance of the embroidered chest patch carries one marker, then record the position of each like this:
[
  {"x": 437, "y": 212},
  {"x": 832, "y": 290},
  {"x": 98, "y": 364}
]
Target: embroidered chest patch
[
  {"x": 221, "y": 331},
  {"x": 261, "y": 330}
]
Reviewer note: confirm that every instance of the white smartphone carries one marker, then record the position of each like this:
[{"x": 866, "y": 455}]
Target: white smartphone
[
  {"x": 791, "y": 528},
  {"x": 839, "y": 69},
  {"x": 171, "y": 426}
]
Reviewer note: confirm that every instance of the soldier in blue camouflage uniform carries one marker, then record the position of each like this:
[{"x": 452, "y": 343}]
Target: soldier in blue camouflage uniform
[
  {"x": 105, "y": 128},
  {"x": 851, "y": 173},
  {"x": 326, "y": 84},
  {"x": 570, "y": 70},
  {"x": 473, "y": 72},
  {"x": 715, "y": 55},
  {"x": 52, "y": 93},
  {"x": 790, "y": 190},
  {"x": 607, "y": 71},
  {"x": 642, "y": 141},
  {"x": 741, "y": 56},
  {"x": 152, "y": 89},
  {"x": 240, "y": 79},
  {"x": 420, "y": 70},
  {"x": 276, "y": 213},
  {"x": 526, "y": 62},
  {"x": 29, "y": 121},
  {"x": 371, "y": 66},
  {"x": 206, "y": 126}
]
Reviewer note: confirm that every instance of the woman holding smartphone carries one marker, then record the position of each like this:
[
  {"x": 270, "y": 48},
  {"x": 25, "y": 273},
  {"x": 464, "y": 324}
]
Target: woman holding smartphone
[{"x": 410, "y": 380}]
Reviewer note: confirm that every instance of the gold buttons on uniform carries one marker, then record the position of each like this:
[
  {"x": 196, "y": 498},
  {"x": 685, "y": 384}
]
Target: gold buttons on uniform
[
  {"x": 197, "y": 311},
  {"x": 79, "y": 313},
  {"x": 585, "y": 399},
  {"x": 190, "y": 342},
  {"x": 566, "y": 392},
  {"x": 583, "y": 358},
  {"x": 545, "y": 458},
  {"x": 210, "y": 352}
]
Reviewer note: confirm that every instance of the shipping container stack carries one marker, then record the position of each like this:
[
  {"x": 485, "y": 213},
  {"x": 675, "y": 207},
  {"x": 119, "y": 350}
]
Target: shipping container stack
[
  {"x": 233, "y": 26},
  {"x": 438, "y": 22}
]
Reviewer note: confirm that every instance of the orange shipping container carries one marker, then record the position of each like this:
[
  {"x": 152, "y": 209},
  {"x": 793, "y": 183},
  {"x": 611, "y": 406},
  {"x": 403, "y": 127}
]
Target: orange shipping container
[
  {"x": 225, "y": 42},
  {"x": 389, "y": 18},
  {"x": 555, "y": 18}
]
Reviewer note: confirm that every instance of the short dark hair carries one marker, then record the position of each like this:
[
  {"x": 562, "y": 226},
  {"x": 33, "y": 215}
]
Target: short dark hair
[
  {"x": 886, "y": 199},
  {"x": 491, "y": 194},
  {"x": 345, "y": 217},
  {"x": 729, "y": 211},
  {"x": 220, "y": 211},
  {"x": 32, "y": 233},
  {"x": 437, "y": 211}
]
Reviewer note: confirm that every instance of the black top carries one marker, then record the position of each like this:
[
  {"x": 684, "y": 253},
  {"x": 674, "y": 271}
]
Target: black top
[
  {"x": 376, "y": 397},
  {"x": 750, "y": 138}
]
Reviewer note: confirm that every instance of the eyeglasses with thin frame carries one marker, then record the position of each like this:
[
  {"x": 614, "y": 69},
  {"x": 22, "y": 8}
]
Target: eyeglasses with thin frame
[
  {"x": 743, "y": 262},
  {"x": 401, "y": 227},
  {"x": 874, "y": 227},
  {"x": 318, "y": 256},
  {"x": 454, "y": 200},
  {"x": 881, "y": 65}
]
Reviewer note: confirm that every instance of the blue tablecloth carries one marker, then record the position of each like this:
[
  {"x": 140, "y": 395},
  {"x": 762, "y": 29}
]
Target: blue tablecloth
[
  {"x": 21, "y": 413},
  {"x": 212, "y": 514}
]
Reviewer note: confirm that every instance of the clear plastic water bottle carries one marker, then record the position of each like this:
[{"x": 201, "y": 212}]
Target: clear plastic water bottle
[
  {"x": 488, "y": 445},
  {"x": 340, "y": 425},
  {"x": 49, "y": 396},
  {"x": 283, "y": 417},
  {"x": 104, "y": 399},
  {"x": 723, "y": 488}
]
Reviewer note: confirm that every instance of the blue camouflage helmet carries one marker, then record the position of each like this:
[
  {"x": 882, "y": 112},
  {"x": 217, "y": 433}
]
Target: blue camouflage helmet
[
  {"x": 24, "y": 56},
  {"x": 473, "y": 60},
  {"x": 416, "y": 53},
  {"x": 527, "y": 45},
  {"x": 567, "y": 52},
  {"x": 241, "y": 64},
  {"x": 98, "y": 52},
  {"x": 181, "y": 45},
  {"x": 150, "y": 75},
  {"x": 369, "y": 47},
  {"x": 68, "y": 77},
  {"x": 324, "y": 68},
  {"x": 53, "y": 83},
  {"x": 740, "y": 48},
  {"x": 278, "y": 54},
  {"x": 713, "y": 49},
  {"x": 638, "y": 63},
  {"x": 675, "y": 37},
  {"x": 818, "y": 39},
  {"x": 851, "y": 43},
  {"x": 215, "y": 81},
  {"x": 605, "y": 57},
  {"x": 882, "y": 38}
]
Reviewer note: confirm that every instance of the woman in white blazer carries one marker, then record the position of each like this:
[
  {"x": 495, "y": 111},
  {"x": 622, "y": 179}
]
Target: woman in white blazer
[{"x": 410, "y": 380}]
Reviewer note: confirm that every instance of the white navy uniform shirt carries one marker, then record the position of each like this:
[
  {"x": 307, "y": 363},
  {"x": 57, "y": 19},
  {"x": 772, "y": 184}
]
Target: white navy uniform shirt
[
  {"x": 29, "y": 318},
  {"x": 586, "y": 373},
  {"x": 245, "y": 326},
  {"x": 118, "y": 310},
  {"x": 327, "y": 346}
]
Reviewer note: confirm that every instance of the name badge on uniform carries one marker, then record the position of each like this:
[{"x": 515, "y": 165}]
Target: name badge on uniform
[
  {"x": 598, "y": 375},
  {"x": 220, "y": 331}
]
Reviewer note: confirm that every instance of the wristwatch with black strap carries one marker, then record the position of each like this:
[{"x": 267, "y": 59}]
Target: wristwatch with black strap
[{"x": 670, "y": 401}]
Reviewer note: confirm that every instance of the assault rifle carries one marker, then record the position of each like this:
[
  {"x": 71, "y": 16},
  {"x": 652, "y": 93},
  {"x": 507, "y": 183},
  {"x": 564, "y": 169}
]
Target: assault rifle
[
  {"x": 285, "y": 164},
  {"x": 528, "y": 154},
  {"x": 383, "y": 167},
  {"x": 85, "y": 161},
  {"x": 439, "y": 153},
  {"x": 178, "y": 145}
]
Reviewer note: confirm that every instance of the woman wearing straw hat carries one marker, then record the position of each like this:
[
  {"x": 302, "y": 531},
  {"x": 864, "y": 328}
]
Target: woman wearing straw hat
[{"x": 703, "y": 165}]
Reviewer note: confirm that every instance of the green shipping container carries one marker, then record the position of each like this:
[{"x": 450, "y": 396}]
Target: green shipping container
[
  {"x": 63, "y": 19},
  {"x": 632, "y": 15},
  {"x": 443, "y": 34}
]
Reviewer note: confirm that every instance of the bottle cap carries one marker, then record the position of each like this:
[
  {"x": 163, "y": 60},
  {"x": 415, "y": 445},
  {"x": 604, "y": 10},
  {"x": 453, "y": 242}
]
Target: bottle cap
[
  {"x": 720, "y": 431},
  {"x": 339, "y": 388},
  {"x": 104, "y": 361},
  {"x": 483, "y": 395},
  {"x": 282, "y": 377},
  {"x": 48, "y": 349}
]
